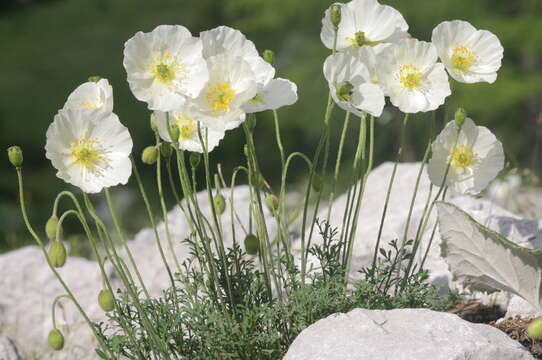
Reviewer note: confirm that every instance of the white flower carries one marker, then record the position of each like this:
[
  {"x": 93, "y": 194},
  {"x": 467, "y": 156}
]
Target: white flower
[
  {"x": 186, "y": 119},
  {"x": 165, "y": 66},
  {"x": 231, "y": 84},
  {"x": 411, "y": 77},
  {"x": 470, "y": 55},
  {"x": 363, "y": 22},
  {"x": 91, "y": 95},
  {"x": 370, "y": 57},
  {"x": 351, "y": 86},
  {"x": 475, "y": 159},
  {"x": 273, "y": 95},
  {"x": 89, "y": 149}
]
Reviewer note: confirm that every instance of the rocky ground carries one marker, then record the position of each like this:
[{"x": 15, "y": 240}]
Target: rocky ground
[{"x": 28, "y": 287}]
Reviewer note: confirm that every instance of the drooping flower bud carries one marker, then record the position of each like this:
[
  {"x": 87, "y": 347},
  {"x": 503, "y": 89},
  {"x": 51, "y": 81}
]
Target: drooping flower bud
[
  {"x": 534, "y": 330},
  {"x": 51, "y": 227},
  {"x": 149, "y": 155},
  {"x": 55, "y": 339},
  {"x": 220, "y": 204},
  {"x": 174, "y": 133},
  {"x": 57, "y": 254},
  {"x": 106, "y": 300},
  {"x": 15, "y": 155},
  {"x": 94, "y": 79},
  {"x": 317, "y": 182},
  {"x": 335, "y": 15},
  {"x": 269, "y": 56},
  {"x": 195, "y": 159},
  {"x": 272, "y": 203},
  {"x": 252, "y": 245},
  {"x": 460, "y": 116},
  {"x": 166, "y": 150}
]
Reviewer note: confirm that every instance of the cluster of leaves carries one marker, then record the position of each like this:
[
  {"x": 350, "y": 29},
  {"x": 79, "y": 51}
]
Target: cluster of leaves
[{"x": 250, "y": 324}]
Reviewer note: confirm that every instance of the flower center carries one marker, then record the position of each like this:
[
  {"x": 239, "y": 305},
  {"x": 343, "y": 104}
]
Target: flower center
[
  {"x": 344, "y": 92},
  {"x": 220, "y": 97},
  {"x": 410, "y": 77},
  {"x": 91, "y": 105},
  {"x": 462, "y": 156},
  {"x": 360, "y": 39},
  {"x": 463, "y": 58},
  {"x": 165, "y": 69},
  {"x": 87, "y": 153},
  {"x": 187, "y": 127}
]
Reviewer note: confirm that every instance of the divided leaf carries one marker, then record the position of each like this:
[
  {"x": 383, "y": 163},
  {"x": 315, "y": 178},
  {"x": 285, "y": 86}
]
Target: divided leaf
[{"x": 481, "y": 257}]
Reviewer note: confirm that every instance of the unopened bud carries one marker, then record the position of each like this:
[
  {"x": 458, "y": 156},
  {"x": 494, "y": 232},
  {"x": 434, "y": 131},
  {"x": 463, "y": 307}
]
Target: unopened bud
[
  {"x": 94, "y": 79},
  {"x": 335, "y": 15},
  {"x": 57, "y": 254},
  {"x": 106, "y": 300},
  {"x": 174, "y": 133},
  {"x": 272, "y": 203},
  {"x": 55, "y": 339},
  {"x": 166, "y": 150},
  {"x": 317, "y": 182},
  {"x": 269, "y": 56},
  {"x": 51, "y": 227},
  {"x": 460, "y": 116},
  {"x": 220, "y": 204},
  {"x": 252, "y": 245},
  {"x": 534, "y": 330},
  {"x": 195, "y": 159},
  {"x": 149, "y": 155},
  {"x": 15, "y": 155}
]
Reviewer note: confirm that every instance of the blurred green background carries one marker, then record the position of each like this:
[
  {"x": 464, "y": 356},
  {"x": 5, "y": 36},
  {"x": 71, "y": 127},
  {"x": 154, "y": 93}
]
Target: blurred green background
[{"x": 49, "y": 47}]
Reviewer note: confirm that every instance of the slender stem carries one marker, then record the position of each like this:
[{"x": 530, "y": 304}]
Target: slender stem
[{"x": 278, "y": 137}]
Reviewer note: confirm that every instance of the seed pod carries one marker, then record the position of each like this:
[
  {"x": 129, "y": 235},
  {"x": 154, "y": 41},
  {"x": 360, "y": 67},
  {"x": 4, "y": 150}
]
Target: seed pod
[
  {"x": 220, "y": 204},
  {"x": 51, "y": 227},
  {"x": 106, "y": 300},
  {"x": 269, "y": 56},
  {"x": 174, "y": 133},
  {"x": 460, "y": 116},
  {"x": 55, "y": 339},
  {"x": 317, "y": 182},
  {"x": 272, "y": 202},
  {"x": 534, "y": 330},
  {"x": 252, "y": 245},
  {"x": 166, "y": 150},
  {"x": 195, "y": 159},
  {"x": 335, "y": 15},
  {"x": 149, "y": 155},
  {"x": 57, "y": 254},
  {"x": 15, "y": 155}
]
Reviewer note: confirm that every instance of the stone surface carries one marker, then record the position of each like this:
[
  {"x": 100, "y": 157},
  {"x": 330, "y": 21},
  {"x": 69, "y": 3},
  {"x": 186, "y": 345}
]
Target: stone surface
[
  {"x": 7, "y": 348},
  {"x": 403, "y": 334}
]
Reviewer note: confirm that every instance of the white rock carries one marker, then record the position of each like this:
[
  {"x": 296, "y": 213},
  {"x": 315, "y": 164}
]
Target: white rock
[
  {"x": 402, "y": 334},
  {"x": 7, "y": 348},
  {"x": 517, "y": 307}
]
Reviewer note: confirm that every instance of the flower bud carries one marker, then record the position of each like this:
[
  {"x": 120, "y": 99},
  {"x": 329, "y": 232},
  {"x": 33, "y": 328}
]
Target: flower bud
[
  {"x": 57, "y": 254},
  {"x": 56, "y": 339},
  {"x": 220, "y": 204},
  {"x": 15, "y": 155},
  {"x": 269, "y": 56},
  {"x": 166, "y": 150},
  {"x": 272, "y": 203},
  {"x": 51, "y": 227},
  {"x": 149, "y": 155},
  {"x": 94, "y": 79},
  {"x": 252, "y": 245},
  {"x": 534, "y": 330},
  {"x": 317, "y": 182},
  {"x": 335, "y": 15},
  {"x": 106, "y": 300},
  {"x": 195, "y": 159},
  {"x": 460, "y": 116},
  {"x": 174, "y": 133}
]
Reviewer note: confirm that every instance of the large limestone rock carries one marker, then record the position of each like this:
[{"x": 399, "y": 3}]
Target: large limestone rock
[{"x": 403, "y": 334}]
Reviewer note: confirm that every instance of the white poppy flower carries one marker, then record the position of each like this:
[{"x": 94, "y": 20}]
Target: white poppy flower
[
  {"x": 410, "y": 75},
  {"x": 165, "y": 66},
  {"x": 186, "y": 119},
  {"x": 363, "y": 22},
  {"x": 475, "y": 160},
  {"x": 370, "y": 57},
  {"x": 89, "y": 149},
  {"x": 470, "y": 55},
  {"x": 351, "y": 86},
  {"x": 275, "y": 94},
  {"x": 91, "y": 95},
  {"x": 231, "y": 84}
]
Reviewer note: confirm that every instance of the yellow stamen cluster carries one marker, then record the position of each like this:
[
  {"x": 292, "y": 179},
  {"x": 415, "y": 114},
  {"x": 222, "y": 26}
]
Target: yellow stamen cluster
[
  {"x": 462, "y": 156},
  {"x": 463, "y": 58},
  {"x": 410, "y": 77},
  {"x": 187, "y": 126},
  {"x": 165, "y": 69},
  {"x": 220, "y": 97},
  {"x": 90, "y": 105},
  {"x": 87, "y": 153}
]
